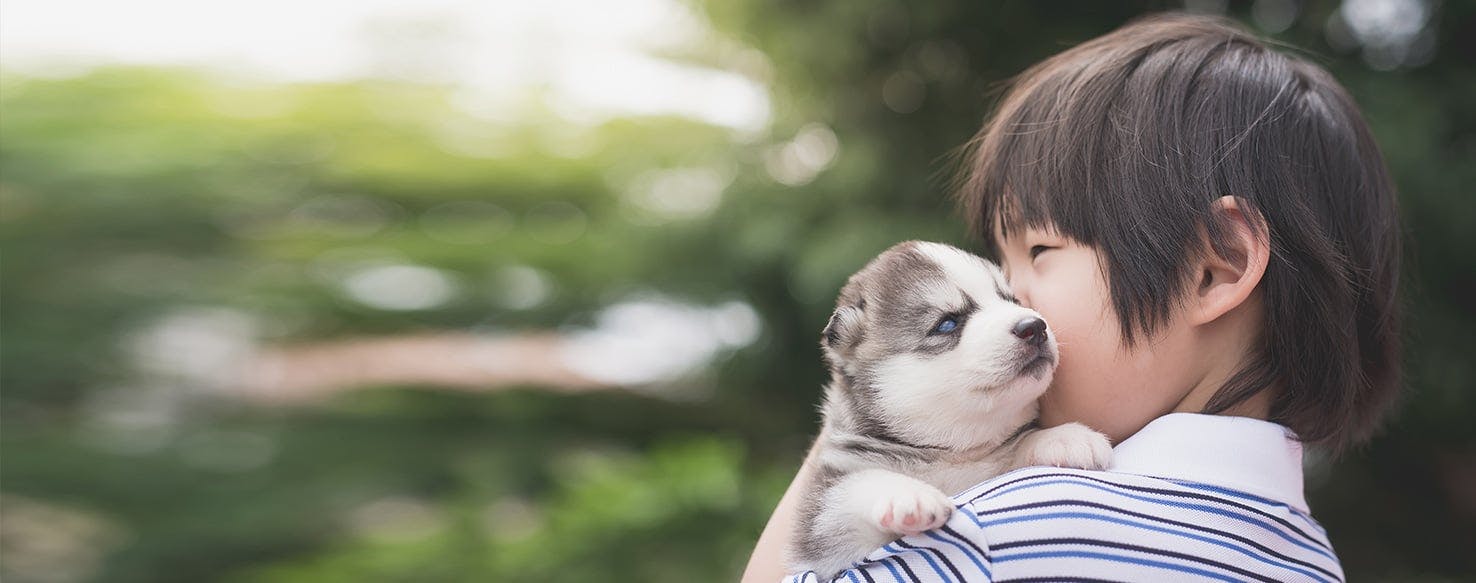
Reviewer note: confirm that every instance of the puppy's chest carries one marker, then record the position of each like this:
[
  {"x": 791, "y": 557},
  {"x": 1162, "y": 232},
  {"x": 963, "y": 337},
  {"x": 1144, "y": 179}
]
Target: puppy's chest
[
  {"x": 953, "y": 477},
  {"x": 949, "y": 475}
]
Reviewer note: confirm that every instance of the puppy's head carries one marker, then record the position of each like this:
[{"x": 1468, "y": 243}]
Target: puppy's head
[{"x": 933, "y": 347}]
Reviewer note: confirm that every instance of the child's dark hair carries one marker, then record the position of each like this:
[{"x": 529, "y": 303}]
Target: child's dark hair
[{"x": 1123, "y": 142}]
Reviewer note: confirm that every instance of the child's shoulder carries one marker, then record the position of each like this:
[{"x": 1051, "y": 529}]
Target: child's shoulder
[
  {"x": 1030, "y": 507},
  {"x": 1046, "y": 487},
  {"x": 1050, "y": 523},
  {"x": 1040, "y": 482}
]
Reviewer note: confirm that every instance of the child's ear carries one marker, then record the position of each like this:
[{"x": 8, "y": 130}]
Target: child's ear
[
  {"x": 843, "y": 332},
  {"x": 1226, "y": 276}
]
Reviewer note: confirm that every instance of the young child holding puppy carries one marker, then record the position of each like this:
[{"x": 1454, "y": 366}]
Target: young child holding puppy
[{"x": 1210, "y": 231}]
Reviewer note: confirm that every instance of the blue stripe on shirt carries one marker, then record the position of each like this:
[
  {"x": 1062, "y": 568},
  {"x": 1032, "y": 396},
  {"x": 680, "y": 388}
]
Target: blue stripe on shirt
[
  {"x": 941, "y": 557},
  {"x": 1252, "y": 497},
  {"x": 895, "y": 574},
  {"x": 1188, "y": 505},
  {"x": 1179, "y": 494},
  {"x": 1002, "y": 558},
  {"x": 976, "y": 560},
  {"x": 1121, "y": 546},
  {"x": 919, "y": 552},
  {"x": 1285, "y": 561}
]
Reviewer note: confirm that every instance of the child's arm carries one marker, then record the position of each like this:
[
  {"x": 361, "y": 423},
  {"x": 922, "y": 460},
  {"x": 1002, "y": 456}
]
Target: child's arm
[{"x": 766, "y": 564}]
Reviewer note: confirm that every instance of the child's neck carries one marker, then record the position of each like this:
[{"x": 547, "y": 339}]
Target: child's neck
[
  {"x": 1230, "y": 339},
  {"x": 1256, "y": 407}
]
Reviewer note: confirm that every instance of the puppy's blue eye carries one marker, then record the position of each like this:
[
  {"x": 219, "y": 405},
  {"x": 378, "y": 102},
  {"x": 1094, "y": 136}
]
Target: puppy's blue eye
[{"x": 946, "y": 326}]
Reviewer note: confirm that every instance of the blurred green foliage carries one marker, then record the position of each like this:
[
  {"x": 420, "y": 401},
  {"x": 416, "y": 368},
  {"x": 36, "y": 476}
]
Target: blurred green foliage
[{"x": 128, "y": 194}]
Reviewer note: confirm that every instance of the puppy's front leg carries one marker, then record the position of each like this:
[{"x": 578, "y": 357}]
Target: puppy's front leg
[
  {"x": 1071, "y": 445},
  {"x": 867, "y": 509},
  {"x": 898, "y": 504}
]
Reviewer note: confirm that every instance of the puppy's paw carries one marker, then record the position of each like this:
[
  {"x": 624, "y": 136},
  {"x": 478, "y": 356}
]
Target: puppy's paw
[
  {"x": 911, "y": 508},
  {"x": 1072, "y": 445}
]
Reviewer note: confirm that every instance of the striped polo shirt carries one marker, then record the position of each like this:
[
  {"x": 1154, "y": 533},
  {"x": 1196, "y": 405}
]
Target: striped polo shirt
[{"x": 1189, "y": 497}]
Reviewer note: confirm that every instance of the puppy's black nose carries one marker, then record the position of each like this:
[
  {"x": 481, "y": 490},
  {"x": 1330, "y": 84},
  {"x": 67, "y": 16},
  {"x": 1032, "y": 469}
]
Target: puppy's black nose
[{"x": 1032, "y": 330}]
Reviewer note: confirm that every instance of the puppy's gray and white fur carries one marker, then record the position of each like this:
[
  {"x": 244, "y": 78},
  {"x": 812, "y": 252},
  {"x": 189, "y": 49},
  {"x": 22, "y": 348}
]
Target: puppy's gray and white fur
[{"x": 914, "y": 413}]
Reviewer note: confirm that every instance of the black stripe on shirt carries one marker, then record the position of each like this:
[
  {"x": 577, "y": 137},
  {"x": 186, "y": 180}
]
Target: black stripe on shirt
[
  {"x": 1129, "y": 547},
  {"x": 1160, "y": 519},
  {"x": 956, "y": 575},
  {"x": 983, "y": 555},
  {"x": 907, "y": 569},
  {"x": 1164, "y": 492}
]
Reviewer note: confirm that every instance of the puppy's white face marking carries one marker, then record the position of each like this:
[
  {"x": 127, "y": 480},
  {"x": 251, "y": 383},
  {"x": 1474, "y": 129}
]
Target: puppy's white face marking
[
  {"x": 969, "y": 394},
  {"x": 968, "y": 273}
]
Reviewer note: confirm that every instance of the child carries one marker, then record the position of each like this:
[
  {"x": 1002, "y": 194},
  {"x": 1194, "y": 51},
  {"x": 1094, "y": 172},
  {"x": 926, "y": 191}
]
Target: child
[{"x": 1210, "y": 231}]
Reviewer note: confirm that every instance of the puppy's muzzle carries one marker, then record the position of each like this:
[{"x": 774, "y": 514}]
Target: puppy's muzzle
[{"x": 1031, "y": 330}]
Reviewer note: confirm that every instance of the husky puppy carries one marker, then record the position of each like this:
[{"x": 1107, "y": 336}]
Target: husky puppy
[{"x": 935, "y": 371}]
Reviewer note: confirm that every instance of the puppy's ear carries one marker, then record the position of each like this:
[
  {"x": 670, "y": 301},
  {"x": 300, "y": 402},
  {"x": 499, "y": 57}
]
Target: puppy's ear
[{"x": 844, "y": 331}]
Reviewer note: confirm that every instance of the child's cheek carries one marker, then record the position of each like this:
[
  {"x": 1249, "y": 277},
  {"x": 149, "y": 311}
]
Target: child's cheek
[{"x": 1075, "y": 303}]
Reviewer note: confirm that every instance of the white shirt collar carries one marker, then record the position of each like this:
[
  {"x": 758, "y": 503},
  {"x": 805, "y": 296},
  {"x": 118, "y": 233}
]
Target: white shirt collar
[{"x": 1250, "y": 455}]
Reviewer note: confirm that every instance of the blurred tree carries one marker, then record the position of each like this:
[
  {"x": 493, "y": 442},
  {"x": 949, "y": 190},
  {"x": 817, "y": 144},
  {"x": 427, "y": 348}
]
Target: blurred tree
[{"x": 161, "y": 226}]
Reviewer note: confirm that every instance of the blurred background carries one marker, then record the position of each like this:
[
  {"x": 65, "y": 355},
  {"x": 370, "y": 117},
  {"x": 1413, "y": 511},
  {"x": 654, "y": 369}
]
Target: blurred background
[{"x": 453, "y": 290}]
